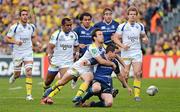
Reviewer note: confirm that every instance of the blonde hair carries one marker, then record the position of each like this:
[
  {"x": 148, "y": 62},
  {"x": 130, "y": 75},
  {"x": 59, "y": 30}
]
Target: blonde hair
[{"x": 132, "y": 8}]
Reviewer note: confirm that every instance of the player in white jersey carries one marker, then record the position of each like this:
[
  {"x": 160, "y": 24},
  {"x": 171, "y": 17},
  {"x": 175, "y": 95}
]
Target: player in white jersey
[
  {"x": 62, "y": 45},
  {"x": 86, "y": 72},
  {"x": 131, "y": 33},
  {"x": 21, "y": 34}
]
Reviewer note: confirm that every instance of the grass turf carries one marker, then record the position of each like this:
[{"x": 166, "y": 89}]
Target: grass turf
[{"x": 12, "y": 98}]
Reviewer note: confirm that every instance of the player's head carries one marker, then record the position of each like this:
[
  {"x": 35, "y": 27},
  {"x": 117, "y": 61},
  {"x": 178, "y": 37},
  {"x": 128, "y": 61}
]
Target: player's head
[
  {"x": 111, "y": 50},
  {"x": 97, "y": 36},
  {"x": 132, "y": 13},
  {"x": 107, "y": 15},
  {"x": 66, "y": 24},
  {"x": 85, "y": 19},
  {"x": 24, "y": 15}
]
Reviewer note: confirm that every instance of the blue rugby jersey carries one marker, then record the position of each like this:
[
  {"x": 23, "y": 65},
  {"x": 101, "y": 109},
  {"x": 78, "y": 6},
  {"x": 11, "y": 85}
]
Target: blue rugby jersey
[
  {"x": 107, "y": 29},
  {"x": 84, "y": 36}
]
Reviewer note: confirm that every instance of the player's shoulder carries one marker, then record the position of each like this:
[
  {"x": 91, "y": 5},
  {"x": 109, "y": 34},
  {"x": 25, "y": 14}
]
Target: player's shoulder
[
  {"x": 56, "y": 32},
  {"x": 141, "y": 25},
  {"x": 122, "y": 26},
  {"x": 13, "y": 26},
  {"x": 98, "y": 24},
  {"x": 92, "y": 46},
  {"x": 115, "y": 22},
  {"x": 77, "y": 28}
]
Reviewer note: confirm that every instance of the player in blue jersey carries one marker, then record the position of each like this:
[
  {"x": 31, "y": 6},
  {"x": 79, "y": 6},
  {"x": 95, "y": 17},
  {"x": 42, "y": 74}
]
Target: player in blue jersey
[
  {"x": 102, "y": 82},
  {"x": 84, "y": 36},
  {"x": 84, "y": 32},
  {"x": 107, "y": 25}
]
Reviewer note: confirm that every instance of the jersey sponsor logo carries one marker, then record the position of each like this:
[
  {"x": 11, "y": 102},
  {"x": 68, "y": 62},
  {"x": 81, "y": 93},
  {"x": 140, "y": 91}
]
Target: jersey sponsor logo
[
  {"x": 113, "y": 27},
  {"x": 29, "y": 28},
  {"x": 94, "y": 51},
  {"x": 103, "y": 27},
  {"x": 65, "y": 46},
  {"x": 83, "y": 32},
  {"x": 137, "y": 27},
  {"x": 132, "y": 38},
  {"x": 24, "y": 39}
]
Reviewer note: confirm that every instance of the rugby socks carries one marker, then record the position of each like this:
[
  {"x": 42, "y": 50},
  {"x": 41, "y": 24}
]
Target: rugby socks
[
  {"x": 45, "y": 86},
  {"x": 55, "y": 91},
  {"x": 137, "y": 85},
  {"x": 29, "y": 85},
  {"x": 87, "y": 95},
  {"x": 97, "y": 104},
  {"x": 83, "y": 87}
]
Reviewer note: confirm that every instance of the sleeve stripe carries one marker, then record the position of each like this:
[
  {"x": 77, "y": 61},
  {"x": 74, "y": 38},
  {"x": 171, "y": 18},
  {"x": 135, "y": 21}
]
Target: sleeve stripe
[
  {"x": 123, "y": 26},
  {"x": 16, "y": 28}
]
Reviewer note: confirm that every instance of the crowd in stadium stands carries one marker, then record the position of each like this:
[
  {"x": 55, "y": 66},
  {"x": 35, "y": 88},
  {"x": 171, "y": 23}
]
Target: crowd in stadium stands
[{"x": 47, "y": 15}]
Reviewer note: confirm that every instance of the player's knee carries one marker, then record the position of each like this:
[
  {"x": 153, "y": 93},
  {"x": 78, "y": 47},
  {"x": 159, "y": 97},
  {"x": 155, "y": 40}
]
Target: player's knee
[
  {"x": 108, "y": 103},
  {"x": 138, "y": 74},
  {"x": 28, "y": 72},
  {"x": 17, "y": 74},
  {"x": 96, "y": 88}
]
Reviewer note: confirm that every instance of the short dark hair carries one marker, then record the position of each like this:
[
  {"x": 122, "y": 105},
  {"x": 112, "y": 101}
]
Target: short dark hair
[
  {"x": 84, "y": 14},
  {"x": 111, "y": 47},
  {"x": 64, "y": 20},
  {"x": 94, "y": 33},
  {"x": 107, "y": 9}
]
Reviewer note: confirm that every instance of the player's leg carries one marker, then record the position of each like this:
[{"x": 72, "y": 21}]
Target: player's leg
[
  {"x": 87, "y": 78},
  {"x": 123, "y": 73},
  {"x": 52, "y": 72},
  {"x": 137, "y": 79},
  {"x": 69, "y": 75},
  {"x": 107, "y": 101},
  {"x": 17, "y": 62},
  {"x": 62, "y": 71},
  {"x": 94, "y": 89},
  {"x": 28, "y": 69}
]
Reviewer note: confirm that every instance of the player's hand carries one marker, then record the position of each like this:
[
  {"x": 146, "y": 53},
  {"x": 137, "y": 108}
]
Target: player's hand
[
  {"x": 82, "y": 46},
  {"x": 113, "y": 65},
  {"x": 126, "y": 47},
  {"x": 19, "y": 42},
  {"x": 76, "y": 56},
  {"x": 84, "y": 63},
  {"x": 130, "y": 91}
]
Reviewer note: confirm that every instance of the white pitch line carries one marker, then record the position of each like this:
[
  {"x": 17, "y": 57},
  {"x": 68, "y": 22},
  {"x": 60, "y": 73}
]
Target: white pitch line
[{"x": 15, "y": 88}]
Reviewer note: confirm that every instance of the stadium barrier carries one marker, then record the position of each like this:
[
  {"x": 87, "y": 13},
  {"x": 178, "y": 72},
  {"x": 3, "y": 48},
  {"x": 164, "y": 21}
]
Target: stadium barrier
[
  {"x": 6, "y": 66},
  {"x": 153, "y": 67},
  {"x": 161, "y": 66}
]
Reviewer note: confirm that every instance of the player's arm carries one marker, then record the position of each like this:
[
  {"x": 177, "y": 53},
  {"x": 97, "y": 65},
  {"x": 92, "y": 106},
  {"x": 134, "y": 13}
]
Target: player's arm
[
  {"x": 12, "y": 40},
  {"x": 120, "y": 60},
  {"x": 121, "y": 78},
  {"x": 102, "y": 61},
  {"x": 144, "y": 38},
  {"x": 50, "y": 51},
  {"x": 76, "y": 52},
  {"x": 116, "y": 38}
]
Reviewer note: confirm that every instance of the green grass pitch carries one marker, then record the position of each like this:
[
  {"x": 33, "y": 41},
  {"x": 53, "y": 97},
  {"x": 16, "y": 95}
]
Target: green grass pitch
[{"x": 12, "y": 98}]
